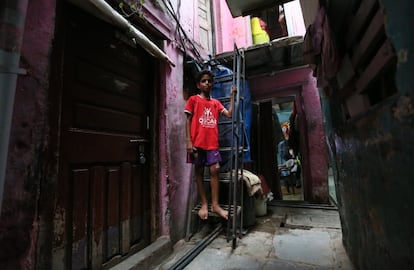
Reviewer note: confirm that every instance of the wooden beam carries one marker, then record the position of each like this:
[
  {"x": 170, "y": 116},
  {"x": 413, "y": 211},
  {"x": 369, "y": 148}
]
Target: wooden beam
[
  {"x": 358, "y": 21},
  {"x": 382, "y": 59},
  {"x": 371, "y": 36}
]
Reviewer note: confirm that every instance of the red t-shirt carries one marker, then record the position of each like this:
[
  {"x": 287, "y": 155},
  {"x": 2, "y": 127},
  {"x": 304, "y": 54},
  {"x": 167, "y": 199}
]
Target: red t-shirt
[{"x": 204, "y": 129}]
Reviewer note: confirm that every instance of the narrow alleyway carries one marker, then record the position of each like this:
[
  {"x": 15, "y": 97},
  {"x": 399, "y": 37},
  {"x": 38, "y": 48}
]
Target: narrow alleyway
[{"x": 286, "y": 238}]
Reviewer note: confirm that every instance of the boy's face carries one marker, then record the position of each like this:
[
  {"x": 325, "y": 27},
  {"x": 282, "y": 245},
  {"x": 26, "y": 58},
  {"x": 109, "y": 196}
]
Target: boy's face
[{"x": 205, "y": 83}]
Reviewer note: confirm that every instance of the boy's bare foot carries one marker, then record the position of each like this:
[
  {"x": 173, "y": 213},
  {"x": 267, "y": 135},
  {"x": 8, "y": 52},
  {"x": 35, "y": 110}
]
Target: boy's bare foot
[
  {"x": 203, "y": 212},
  {"x": 220, "y": 211}
]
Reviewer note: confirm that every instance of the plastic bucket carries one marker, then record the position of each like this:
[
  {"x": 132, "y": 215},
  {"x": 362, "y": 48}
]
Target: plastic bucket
[{"x": 261, "y": 206}]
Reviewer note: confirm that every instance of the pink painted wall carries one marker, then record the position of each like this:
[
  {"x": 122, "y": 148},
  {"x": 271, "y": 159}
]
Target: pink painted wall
[
  {"x": 33, "y": 148},
  {"x": 29, "y": 146},
  {"x": 294, "y": 18},
  {"x": 314, "y": 149},
  {"x": 316, "y": 143},
  {"x": 237, "y": 30},
  {"x": 230, "y": 30},
  {"x": 174, "y": 171}
]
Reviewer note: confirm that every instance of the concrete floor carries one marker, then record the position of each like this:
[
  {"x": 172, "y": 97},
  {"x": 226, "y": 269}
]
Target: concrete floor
[{"x": 285, "y": 238}]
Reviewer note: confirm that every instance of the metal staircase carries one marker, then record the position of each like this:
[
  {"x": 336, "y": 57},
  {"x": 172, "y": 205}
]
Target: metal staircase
[{"x": 232, "y": 141}]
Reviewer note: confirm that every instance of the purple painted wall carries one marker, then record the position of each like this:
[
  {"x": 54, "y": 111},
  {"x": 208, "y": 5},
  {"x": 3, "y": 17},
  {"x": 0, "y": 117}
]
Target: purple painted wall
[
  {"x": 26, "y": 224},
  {"x": 175, "y": 173},
  {"x": 32, "y": 166},
  {"x": 29, "y": 144}
]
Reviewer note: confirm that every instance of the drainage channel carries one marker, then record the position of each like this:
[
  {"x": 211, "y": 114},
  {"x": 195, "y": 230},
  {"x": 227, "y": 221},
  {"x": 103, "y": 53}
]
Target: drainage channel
[
  {"x": 192, "y": 253},
  {"x": 301, "y": 204}
]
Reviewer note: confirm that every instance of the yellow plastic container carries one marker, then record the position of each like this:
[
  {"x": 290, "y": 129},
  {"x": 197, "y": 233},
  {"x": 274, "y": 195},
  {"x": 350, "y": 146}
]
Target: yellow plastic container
[
  {"x": 258, "y": 33},
  {"x": 261, "y": 38},
  {"x": 255, "y": 25}
]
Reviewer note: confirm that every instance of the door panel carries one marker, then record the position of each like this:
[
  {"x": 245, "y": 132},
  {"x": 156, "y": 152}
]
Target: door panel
[{"x": 103, "y": 189}]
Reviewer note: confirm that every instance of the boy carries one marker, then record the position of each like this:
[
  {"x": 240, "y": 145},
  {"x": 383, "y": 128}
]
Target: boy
[{"x": 202, "y": 139}]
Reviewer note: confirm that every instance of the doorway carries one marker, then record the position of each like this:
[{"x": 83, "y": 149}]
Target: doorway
[
  {"x": 276, "y": 146},
  {"x": 289, "y": 163}
]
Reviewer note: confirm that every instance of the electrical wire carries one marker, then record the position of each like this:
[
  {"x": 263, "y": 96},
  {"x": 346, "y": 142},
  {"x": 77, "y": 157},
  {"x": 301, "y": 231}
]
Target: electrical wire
[{"x": 181, "y": 32}]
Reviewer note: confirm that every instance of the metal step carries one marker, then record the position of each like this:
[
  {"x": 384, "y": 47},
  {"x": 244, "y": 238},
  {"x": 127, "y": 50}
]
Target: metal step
[
  {"x": 224, "y": 206},
  {"x": 231, "y": 149},
  {"x": 223, "y": 177},
  {"x": 229, "y": 122},
  {"x": 224, "y": 99}
]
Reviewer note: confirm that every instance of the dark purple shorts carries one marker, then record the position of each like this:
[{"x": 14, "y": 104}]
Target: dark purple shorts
[{"x": 204, "y": 157}]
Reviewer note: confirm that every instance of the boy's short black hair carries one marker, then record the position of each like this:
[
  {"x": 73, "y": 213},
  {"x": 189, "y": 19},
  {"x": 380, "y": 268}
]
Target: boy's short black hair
[{"x": 204, "y": 72}]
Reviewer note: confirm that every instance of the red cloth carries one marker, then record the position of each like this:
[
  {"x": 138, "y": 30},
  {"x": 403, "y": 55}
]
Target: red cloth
[
  {"x": 204, "y": 129},
  {"x": 265, "y": 187}
]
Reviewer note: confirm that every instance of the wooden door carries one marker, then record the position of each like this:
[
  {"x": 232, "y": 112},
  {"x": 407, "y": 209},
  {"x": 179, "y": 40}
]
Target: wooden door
[{"x": 104, "y": 163}]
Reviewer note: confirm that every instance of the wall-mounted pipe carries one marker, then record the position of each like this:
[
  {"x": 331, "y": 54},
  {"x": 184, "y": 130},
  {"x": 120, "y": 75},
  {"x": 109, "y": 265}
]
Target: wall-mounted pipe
[
  {"x": 12, "y": 20},
  {"x": 118, "y": 20}
]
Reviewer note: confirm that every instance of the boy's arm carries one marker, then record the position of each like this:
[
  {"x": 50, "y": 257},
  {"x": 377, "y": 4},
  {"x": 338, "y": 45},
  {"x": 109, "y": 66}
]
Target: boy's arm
[
  {"x": 228, "y": 112},
  {"x": 189, "y": 143}
]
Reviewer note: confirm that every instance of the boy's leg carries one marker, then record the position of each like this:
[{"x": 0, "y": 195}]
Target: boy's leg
[
  {"x": 199, "y": 174},
  {"x": 214, "y": 183}
]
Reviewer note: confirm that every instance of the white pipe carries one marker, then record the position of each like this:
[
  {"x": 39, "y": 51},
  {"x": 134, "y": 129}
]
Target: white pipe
[
  {"x": 123, "y": 23},
  {"x": 12, "y": 16}
]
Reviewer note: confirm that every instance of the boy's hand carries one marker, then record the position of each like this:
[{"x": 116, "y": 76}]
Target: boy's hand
[
  {"x": 233, "y": 89},
  {"x": 189, "y": 146}
]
